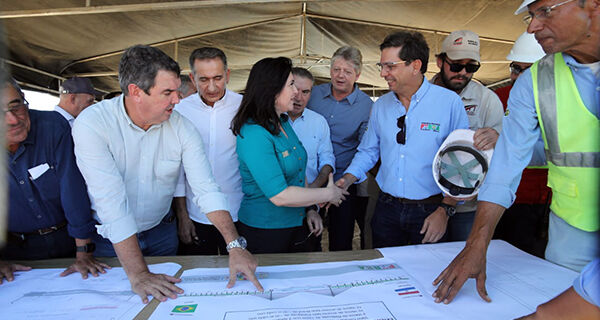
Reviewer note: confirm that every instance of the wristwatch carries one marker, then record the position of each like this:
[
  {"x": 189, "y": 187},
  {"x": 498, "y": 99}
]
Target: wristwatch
[
  {"x": 88, "y": 248},
  {"x": 450, "y": 210},
  {"x": 237, "y": 243}
]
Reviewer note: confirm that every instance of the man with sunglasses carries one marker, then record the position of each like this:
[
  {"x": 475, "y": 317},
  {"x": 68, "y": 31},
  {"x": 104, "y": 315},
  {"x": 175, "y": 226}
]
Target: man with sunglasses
[
  {"x": 558, "y": 96},
  {"x": 406, "y": 128},
  {"x": 458, "y": 62},
  {"x": 49, "y": 205}
]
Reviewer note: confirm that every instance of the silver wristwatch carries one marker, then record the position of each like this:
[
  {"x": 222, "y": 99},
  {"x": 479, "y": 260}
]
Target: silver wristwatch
[{"x": 237, "y": 243}]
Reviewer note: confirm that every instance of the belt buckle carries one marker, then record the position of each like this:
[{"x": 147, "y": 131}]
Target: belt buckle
[{"x": 47, "y": 231}]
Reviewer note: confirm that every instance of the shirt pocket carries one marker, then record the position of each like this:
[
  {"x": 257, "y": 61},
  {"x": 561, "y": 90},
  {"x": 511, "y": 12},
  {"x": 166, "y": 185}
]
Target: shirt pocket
[
  {"x": 288, "y": 161},
  {"x": 167, "y": 173},
  {"x": 48, "y": 184}
]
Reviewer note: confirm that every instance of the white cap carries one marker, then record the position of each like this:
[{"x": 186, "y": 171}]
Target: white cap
[
  {"x": 523, "y": 6},
  {"x": 458, "y": 167},
  {"x": 526, "y": 49},
  {"x": 461, "y": 44}
]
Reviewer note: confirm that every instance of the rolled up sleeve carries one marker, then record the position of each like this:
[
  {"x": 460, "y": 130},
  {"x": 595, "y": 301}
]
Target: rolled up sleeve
[{"x": 106, "y": 187}]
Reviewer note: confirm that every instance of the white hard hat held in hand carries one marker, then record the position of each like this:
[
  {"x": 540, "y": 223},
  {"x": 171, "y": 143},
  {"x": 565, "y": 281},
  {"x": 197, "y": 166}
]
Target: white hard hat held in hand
[{"x": 458, "y": 167}]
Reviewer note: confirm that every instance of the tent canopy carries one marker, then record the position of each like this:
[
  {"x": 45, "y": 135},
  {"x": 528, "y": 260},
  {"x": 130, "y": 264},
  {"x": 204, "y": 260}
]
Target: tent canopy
[{"x": 51, "y": 40}]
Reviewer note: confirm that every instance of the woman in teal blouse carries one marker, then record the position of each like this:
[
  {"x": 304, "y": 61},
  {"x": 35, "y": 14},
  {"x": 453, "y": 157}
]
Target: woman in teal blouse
[{"x": 272, "y": 165}]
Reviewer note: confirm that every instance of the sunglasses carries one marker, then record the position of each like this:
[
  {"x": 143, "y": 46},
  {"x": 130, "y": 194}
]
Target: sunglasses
[
  {"x": 516, "y": 69},
  {"x": 401, "y": 136},
  {"x": 457, "y": 67}
]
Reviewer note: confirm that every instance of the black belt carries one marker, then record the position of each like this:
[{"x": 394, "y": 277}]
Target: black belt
[
  {"x": 434, "y": 199},
  {"x": 39, "y": 232}
]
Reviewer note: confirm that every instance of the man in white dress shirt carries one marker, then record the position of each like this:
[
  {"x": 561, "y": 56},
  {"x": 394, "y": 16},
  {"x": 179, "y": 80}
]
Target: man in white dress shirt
[
  {"x": 130, "y": 150},
  {"x": 211, "y": 111},
  {"x": 76, "y": 94}
]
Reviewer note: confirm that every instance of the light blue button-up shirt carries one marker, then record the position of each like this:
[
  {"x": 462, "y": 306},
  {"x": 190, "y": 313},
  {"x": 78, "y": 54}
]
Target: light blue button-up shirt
[
  {"x": 521, "y": 131},
  {"x": 406, "y": 170},
  {"x": 131, "y": 174},
  {"x": 313, "y": 131},
  {"x": 347, "y": 121}
]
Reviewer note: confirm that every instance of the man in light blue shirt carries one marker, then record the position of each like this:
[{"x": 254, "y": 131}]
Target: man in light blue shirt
[
  {"x": 346, "y": 110},
  {"x": 129, "y": 150},
  {"x": 571, "y": 31},
  {"x": 312, "y": 130},
  {"x": 406, "y": 128}
]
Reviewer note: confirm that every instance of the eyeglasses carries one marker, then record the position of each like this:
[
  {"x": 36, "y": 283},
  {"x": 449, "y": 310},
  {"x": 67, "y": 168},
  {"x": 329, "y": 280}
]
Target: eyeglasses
[
  {"x": 457, "y": 67},
  {"x": 542, "y": 13},
  {"x": 516, "y": 69},
  {"x": 388, "y": 66},
  {"x": 16, "y": 109},
  {"x": 401, "y": 136}
]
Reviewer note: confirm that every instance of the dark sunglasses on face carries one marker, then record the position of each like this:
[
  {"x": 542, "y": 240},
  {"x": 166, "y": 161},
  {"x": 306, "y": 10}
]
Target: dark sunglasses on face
[
  {"x": 516, "y": 69},
  {"x": 457, "y": 67},
  {"x": 401, "y": 136}
]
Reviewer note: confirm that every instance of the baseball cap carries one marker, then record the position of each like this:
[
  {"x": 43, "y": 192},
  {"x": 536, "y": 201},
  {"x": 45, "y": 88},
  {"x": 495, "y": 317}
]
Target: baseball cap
[
  {"x": 77, "y": 85},
  {"x": 462, "y": 44},
  {"x": 458, "y": 167}
]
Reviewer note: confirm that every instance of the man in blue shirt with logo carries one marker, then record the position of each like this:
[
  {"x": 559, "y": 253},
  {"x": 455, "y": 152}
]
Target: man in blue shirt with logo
[
  {"x": 49, "y": 205},
  {"x": 406, "y": 128},
  {"x": 346, "y": 110}
]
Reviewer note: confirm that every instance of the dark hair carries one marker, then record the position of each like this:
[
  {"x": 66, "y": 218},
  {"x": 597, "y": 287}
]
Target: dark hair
[
  {"x": 414, "y": 47},
  {"x": 111, "y": 95},
  {"x": 207, "y": 53},
  {"x": 301, "y": 72},
  {"x": 8, "y": 81},
  {"x": 267, "y": 78},
  {"x": 140, "y": 64}
]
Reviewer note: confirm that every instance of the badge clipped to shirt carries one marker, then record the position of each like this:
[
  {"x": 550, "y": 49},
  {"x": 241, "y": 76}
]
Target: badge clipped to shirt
[
  {"x": 37, "y": 171},
  {"x": 285, "y": 154}
]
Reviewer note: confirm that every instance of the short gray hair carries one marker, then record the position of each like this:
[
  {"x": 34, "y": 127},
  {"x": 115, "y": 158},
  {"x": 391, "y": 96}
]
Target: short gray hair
[
  {"x": 350, "y": 54},
  {"x": 207, "y": 53},
  {"x": 140, "y": 64},
  {"x": 8, "y": 81}
]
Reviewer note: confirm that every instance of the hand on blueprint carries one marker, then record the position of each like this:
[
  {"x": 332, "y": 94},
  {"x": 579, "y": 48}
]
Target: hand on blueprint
[
  {"x": 434, "y": 226},
  {"x": 7, "y": 270},
  {"x": 315, "y": 223},
  {"x": 469, "y": 263},
  {"x": 243, "y": 262},
  {"x": 84, "y": 264},
  {"x": 186, "y": 229},
  {"x": 160, "y": 286},
  {"x": 485, "y": 138}
]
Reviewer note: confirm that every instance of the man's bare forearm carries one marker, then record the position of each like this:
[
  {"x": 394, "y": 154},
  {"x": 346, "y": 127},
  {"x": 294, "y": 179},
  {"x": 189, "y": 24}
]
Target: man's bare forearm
[
  {"x": 221, "y": 219},
  {"x": 180, "y": 207},
  {"x": 322, "y": 178},
  {"x": 130, "y": 256},
  {"x": 486, "y": 218}
]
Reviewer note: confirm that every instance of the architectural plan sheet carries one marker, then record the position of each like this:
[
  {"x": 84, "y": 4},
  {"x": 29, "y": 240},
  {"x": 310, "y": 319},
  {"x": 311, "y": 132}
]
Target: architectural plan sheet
[
  {"x": 517, "y": 282},
  {"x": 43, "y": 294},
  {"x": 373, "y": 289}
]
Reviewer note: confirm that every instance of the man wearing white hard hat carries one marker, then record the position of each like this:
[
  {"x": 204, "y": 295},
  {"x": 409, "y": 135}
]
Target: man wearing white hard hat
[
  {"x": 559, "y": 97},
  {"x": 458, "y": 61},
  {"x": 524, "y": 224}
]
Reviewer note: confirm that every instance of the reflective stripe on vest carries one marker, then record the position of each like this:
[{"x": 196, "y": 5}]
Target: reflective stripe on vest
[{"x": 571, "y": 141}]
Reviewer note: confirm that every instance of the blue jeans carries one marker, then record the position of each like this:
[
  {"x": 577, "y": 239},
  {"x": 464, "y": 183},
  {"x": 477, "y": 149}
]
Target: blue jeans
[
  {"x": 161, "y": 240},
  {"x": 459, "y": 226},
  {"x": 398, "y": 224}
]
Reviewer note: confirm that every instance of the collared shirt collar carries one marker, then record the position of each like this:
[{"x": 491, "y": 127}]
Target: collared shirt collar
[
  {"x": 128, "y": 119},
  {"x": 65, "y": 114},
  {"x": 418, "y": 96},
  {"x": 220, "y": 102},
  {"x": 351, "y": 97}
]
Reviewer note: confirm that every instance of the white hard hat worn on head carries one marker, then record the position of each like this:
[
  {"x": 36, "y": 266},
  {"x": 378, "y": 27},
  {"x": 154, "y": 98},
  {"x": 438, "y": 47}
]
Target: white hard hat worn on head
[
  {"x": 526, "y": 49},
  {"x": 523, "y": 7},
  {"x": 458, "y": 167}
]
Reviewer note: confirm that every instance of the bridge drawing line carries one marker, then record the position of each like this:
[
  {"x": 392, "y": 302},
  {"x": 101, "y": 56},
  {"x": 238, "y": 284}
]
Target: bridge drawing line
[
  {"x": 35, "y": 294},
  {"x": 331, "y": 290}
]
